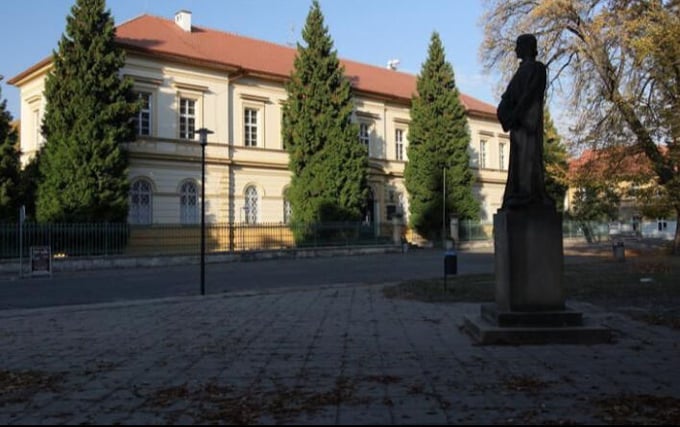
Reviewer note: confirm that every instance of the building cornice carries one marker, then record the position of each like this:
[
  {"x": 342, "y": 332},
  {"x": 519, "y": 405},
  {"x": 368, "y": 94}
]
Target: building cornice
[{"x": 40, "y": 68}]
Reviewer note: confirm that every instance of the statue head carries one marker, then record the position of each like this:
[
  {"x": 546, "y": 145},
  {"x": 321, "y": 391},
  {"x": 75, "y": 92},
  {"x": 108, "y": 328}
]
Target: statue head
[{"x": 526, "y": 46}]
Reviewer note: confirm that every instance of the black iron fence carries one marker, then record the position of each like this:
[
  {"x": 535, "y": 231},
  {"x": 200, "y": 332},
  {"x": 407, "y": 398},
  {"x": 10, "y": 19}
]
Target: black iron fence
[
  {"x": 68, "y": 240},
  {"x": 64, "y": 239},
  {"x": 72, "y": 240}
]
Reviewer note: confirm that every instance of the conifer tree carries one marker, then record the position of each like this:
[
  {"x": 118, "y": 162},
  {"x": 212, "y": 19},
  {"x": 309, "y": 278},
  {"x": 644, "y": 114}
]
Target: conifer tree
[
  {"x": 87, "y": 117},
  {"x": 327, "y": 161},
  {"x": 555, "y": 160},
  {"x": 438, "y": 140},
  {"x": 9, "y": 165}
]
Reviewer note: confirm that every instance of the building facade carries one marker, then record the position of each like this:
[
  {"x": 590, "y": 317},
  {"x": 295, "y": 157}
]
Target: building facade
[{"x": 191, "y": 77}]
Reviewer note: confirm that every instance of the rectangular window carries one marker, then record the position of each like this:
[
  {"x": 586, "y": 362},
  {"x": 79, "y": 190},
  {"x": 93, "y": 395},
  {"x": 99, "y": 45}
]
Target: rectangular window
[
  {"x": 37, "y": 137},
  {"x": 143, "y": 121},
  {"x": 399, "y": 144},
  {"x": 364, "y": 136},
  {"x": 501, "y": 156},
  {"x": 482, "y": 154},
  {"x": 250, "y": 127},
  {"x": 187, "y": 118}
]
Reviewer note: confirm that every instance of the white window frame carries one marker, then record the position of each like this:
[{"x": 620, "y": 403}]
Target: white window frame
[
  {"x": 188, "y": 202},
  {"x": 141, "y": 202},
  {"x": 187, "y": 120},
  {"x": 146, "y": 110},
  {"x": 502, "y": 155},
  {"x": 365, "y": 135},
  {"x": 251, "y": 126},
  {"x": 482, "y": 153},
  {"x": 399, "y": 144},
  {"x": 287, "y": 211},
  {"x": 251, "y": 204},
  {"x": 147, "y": 85}
]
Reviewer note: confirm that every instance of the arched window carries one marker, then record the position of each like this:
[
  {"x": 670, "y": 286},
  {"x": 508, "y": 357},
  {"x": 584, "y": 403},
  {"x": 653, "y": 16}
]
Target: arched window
[
  {"x": 141, "y": 202},
  {"x": 287, "y": 211},
  {"x": 251, "y": 205},
  {"x": 188, "y": 203}
]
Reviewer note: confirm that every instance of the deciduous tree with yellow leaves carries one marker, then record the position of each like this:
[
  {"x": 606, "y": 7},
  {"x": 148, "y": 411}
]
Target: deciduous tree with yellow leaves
[{"x": 618, "y": 62}]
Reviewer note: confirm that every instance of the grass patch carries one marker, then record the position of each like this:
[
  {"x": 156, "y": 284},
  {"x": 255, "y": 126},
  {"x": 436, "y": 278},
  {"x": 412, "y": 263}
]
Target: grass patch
[
  {"x": 469, "y": 288},
  {"x": 647, "y": 287}
]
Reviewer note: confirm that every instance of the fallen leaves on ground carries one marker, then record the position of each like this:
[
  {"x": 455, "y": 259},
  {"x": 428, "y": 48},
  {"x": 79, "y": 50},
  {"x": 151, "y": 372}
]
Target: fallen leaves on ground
[
  {"x": 211, "y": 403},
  {"x": 640, "y": 409},
  {"x": 18, "y": 386}
]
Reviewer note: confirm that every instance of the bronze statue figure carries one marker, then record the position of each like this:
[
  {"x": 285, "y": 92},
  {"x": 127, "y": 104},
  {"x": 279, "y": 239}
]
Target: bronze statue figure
[{"x": 521, "y": 113}]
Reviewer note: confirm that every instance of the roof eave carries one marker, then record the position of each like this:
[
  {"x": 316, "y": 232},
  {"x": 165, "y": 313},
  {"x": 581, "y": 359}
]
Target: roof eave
[
  {"x": 20, "y": 78},
  {"x": 481, "y": 114}
]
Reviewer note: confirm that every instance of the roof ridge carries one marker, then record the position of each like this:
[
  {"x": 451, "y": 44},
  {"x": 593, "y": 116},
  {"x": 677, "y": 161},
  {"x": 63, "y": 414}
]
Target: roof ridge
[{"x": 134, "y": 18}]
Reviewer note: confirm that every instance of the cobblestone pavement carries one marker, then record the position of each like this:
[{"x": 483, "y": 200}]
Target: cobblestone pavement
[{"x": 333, "y": 355}]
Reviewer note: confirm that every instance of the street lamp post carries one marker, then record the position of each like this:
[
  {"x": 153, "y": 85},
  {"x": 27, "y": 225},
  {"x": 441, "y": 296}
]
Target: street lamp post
[{"x": 203, "y": 139}]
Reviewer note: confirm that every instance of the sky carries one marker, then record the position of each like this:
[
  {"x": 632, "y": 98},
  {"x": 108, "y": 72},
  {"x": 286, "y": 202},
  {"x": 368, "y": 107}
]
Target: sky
[{"x": 368, "y": 31}]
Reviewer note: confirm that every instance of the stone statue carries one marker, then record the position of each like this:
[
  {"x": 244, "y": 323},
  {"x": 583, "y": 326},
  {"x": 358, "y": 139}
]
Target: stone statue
[{"x": 521, "y": 113}]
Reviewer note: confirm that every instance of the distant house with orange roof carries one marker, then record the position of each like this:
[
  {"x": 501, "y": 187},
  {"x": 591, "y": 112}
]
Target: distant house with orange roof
[
  {"x": 190, "y": 77},
  {"x": 630, "y": 172}
]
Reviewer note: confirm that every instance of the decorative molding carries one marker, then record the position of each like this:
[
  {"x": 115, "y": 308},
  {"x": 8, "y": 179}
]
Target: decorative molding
[
  {"x": 145, "y": 80},
  {"x": 367, "y": 115},
  {"x": 189, "y": 86},
  {"x": 255, "y": 98},
  {"x": 34, "y": 98}
]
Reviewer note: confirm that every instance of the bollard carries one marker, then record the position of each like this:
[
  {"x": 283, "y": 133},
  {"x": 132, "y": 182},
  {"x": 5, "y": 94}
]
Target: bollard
[
  {"x": 619, "y": 251},
  {"x": 450, "y": 264}
]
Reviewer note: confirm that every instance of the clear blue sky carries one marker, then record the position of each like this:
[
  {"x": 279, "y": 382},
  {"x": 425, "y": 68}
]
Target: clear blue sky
[{"x": 369, "y": 31}]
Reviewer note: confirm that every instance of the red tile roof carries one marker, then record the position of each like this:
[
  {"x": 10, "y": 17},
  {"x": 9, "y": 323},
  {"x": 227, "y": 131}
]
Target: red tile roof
[
  {"x": 202, "y": 46},
  {"x": 163, "y": 37},
  {"x": 612, "y": 162}
]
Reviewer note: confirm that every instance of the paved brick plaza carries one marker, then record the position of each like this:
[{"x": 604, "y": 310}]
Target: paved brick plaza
[{"x": 334, "y": 355}]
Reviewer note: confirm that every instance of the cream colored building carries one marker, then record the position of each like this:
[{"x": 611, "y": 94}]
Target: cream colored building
[{"x": 192, "y": 77}]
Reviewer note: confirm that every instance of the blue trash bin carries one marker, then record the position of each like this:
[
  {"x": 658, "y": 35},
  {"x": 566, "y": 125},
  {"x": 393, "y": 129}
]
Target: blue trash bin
[{"x": 450, "y": 262}]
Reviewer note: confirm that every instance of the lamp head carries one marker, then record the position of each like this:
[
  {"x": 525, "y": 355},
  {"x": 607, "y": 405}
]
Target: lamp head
[{"x": 203, "y": 136}]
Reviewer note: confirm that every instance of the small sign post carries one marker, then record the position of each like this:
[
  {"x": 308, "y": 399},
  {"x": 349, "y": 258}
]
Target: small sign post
[{"x": 41, "y": 261}]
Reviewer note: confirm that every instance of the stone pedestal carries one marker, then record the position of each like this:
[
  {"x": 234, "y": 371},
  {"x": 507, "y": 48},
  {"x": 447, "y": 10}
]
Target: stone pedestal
[
  {"x": 529, "y": 260},
  {"x": 530, "y": 298},
  {"x": 496, "y": 327}
]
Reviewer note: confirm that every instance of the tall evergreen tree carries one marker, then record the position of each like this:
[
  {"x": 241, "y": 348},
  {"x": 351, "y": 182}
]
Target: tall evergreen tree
[
  {"x": 87, "y": 117},
  {"x": 28, "y": 185},
  {"x": 438, "y": 140},
  {"x": 9, "y": 165},
  {"x": 328, "y": 164},
  {"x": 556, "y": 165}
]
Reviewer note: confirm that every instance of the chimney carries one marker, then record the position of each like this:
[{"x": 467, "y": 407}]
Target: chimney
[{"x": 183, "y": 20}]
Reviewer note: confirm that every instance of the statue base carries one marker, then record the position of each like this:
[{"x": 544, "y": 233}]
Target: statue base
[
  {"x": 530, "y": 299},
  {"x": 529, "y": 259},
  {"x": 495, "y": 327}
]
